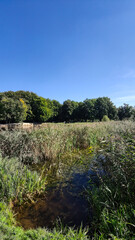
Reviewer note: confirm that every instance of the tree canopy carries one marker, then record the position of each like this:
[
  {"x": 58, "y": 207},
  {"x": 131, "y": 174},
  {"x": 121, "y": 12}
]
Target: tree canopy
[
  {"x": 125, "y": 111},
  {"x": 27, "y": 106},
  {"x": 12, "y": 110}
]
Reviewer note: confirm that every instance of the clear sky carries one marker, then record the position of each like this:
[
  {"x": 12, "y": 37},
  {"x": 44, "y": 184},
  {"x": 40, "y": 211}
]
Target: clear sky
[{"x": 69, "y": 49}]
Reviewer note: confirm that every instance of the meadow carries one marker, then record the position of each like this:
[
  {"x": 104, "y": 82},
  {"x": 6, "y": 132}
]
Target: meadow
[{"x": 28, "y": 157}]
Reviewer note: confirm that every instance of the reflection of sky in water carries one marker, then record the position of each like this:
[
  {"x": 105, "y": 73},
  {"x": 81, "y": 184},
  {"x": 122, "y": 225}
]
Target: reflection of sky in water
[{"x": 66, "y": 200}]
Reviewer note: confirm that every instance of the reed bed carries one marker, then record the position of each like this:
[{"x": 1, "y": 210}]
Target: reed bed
[
  {"x": 53, "y": 140},
  {"x": 112, "y": 145}
]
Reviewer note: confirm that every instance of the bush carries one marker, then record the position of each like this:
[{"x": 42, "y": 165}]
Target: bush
[{"x": 105, "y": 118}]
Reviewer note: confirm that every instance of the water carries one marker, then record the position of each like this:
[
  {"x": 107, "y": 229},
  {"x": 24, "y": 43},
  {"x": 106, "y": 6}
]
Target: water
[{"x": 65, "y": 200}]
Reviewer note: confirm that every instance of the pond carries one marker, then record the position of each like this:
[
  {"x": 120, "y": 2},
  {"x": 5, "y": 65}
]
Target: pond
[{"x": 65, "y": 200}]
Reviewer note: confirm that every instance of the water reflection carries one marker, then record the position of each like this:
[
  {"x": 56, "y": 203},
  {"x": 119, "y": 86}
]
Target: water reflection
[{"x": 65, "y": 200}]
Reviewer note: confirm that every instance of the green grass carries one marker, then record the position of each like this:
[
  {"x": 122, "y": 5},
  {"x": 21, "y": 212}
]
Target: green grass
[
  {"x": 54, "y": 140},
  {"x": 17, "y": 182},
  {"x": 114, "y": 200},
  {"x": 18, "y": 185},
  {"x": 113, "y": 144}
]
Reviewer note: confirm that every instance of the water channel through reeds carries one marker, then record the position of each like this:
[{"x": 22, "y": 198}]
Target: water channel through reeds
[{"x": 65, "y": 201}]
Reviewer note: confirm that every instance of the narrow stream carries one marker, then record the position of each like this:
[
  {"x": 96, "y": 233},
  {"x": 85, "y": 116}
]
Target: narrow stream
[{"x": 65, "y": 201}]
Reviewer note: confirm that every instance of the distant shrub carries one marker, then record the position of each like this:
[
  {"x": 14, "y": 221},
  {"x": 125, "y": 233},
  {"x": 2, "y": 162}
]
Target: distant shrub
[{"x": 105, "y": 118}]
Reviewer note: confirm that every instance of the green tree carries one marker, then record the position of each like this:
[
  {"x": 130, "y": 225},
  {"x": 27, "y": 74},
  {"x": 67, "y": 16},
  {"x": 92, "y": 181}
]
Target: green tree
[
  {"x": 89, "y": 109},
  {"x": 42, "y": 109},
  {"x": 56, "y": 107},
  {"x": 133, "y": 114},
  {"x": 67, "y": 111},
  {"x": 28, "y": 98},
  {"x": 12, "y": 111},
  {"x": 78, "y": 114},
  {"x": 104, "y": 106},
  {"x": 125, "y": 111},
  {"x": 39, "y": 109}
]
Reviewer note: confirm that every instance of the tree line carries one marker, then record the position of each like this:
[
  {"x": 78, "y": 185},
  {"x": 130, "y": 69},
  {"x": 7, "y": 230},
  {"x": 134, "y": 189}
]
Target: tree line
[{"x": 25, "y": 106}]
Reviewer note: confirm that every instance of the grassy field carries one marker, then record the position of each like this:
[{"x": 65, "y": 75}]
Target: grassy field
[{"x": 112, "y": 144}]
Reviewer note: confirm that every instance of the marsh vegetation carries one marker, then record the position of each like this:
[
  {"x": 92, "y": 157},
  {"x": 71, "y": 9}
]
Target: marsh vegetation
[{"x": 47, "y": 163}]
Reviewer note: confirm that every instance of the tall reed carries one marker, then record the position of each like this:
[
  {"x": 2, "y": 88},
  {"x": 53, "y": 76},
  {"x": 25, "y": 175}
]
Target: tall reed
[{"x": 113, "y": 201}]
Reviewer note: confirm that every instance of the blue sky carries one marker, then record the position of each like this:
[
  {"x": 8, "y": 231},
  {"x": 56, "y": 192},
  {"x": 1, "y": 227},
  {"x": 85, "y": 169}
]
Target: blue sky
[{"x": 69, "y": 49}]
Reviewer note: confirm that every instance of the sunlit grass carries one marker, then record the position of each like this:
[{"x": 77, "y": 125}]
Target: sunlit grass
[{"x": 113, "y": 145}]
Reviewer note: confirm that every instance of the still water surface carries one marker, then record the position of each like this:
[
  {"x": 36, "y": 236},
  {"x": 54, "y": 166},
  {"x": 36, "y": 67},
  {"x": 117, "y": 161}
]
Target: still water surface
[{"x": 65, "y": 199}]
